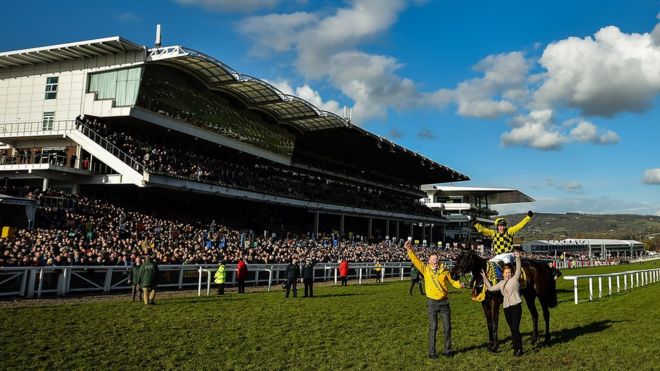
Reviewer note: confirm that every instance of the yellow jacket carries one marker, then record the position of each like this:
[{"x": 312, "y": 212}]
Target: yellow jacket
[
  {"x": 435, "y": 282},
  {"x": 502, "y": 242}
]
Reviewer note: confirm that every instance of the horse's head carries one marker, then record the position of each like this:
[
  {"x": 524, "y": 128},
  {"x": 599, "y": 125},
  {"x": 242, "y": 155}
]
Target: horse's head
[{"x": 462, "y": 265}]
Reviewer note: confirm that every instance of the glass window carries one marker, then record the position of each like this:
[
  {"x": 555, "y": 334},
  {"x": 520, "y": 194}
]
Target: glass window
[
  {"x": 118, "y": 85},
  {"x": 51, "y": 87},
  {"x": 49, "y": 118}
]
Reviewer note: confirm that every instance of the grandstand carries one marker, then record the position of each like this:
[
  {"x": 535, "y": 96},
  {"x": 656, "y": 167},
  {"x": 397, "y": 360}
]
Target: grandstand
[
  {"x": 456, "y": 204},
  {"x": 590, "y": 248},
  {"x": 108, "y": 117}
]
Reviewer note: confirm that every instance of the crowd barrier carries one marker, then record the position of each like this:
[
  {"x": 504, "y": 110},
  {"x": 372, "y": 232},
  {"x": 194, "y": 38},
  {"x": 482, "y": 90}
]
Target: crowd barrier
[
  {"x": 631, "y": 279},
  {"x": 32, "y": 282}
]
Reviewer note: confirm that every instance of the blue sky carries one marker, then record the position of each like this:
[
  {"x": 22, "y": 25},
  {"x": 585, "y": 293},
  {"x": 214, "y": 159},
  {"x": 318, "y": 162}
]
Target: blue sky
[{"x": 559, "y": 99}]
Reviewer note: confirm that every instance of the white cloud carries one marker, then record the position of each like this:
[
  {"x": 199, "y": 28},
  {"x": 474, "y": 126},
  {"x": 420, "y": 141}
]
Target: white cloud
[
  {"x": 128, "y": 17},
  {"x": 426, "y": 134},
  {"x": 492, "y": 95},
  {"x": 231, "y": 6},
  {"x": 536, "y": 130},
  {"x": 610, "y": 73},
  {"x": 275, "y": 32},
  {"x": 652, "y": 176},
  {"x": 588, "y": 132},
  {"x": 325, "y": 47},
  {"x": 307, "y": 93},
  {"x": 569, "y": 187}
]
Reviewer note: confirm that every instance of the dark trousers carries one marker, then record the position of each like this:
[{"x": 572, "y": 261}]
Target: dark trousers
[
  {"x": 441, "y": 307},
  {"x": 221, "y": 288},
  {"x": 294, "y": 284},
  {"x": 417, "y": 282},
  {"x": 241, "y": 286},
  {"x": 513, "y": 315},
  {"x": 344, "y": 280},
  {"x": 378, "y": 277},
  {"x": 135, "y": 291},
  {"x": 309, "y": 287}
]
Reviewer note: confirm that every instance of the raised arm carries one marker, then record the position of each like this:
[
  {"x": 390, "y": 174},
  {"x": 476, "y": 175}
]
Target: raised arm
[
  {"x": 483, "y": 230},
  {"x": 513, "y": 230},
  {"x": 516, "y": 275},
  {"x": 413, "y": 258}
]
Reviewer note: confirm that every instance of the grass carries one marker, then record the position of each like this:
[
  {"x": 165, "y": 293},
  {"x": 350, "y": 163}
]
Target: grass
[{"x": 355, "y": 327}]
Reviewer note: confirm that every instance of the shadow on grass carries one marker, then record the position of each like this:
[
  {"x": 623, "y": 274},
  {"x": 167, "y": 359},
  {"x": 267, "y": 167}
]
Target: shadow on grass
[
  {"x": 568, "y": 334},
  {"x": 337, "y": 295}
]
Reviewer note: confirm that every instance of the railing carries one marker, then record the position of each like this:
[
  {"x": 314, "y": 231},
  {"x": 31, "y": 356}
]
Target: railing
[
  {"x": 108, "y": 146},
  {"x": 63, "y": 280},
  {"x": 40, "y": 128},
  {"x": 43, "y": 158},
  {"x": 35, "y": 128},
  {"x": 640, "y": 277}
]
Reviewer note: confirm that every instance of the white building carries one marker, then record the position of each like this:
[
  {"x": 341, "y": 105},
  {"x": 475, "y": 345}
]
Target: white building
[
  {"x": 593, "y": 247},
  {"x": 457, "y": 203}
]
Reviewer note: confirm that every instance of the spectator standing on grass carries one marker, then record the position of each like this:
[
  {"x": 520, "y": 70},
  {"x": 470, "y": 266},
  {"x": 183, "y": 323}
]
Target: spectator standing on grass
[
  {"x": 510, "y": 288},
  {"x": 241, "y": 275},
  {"x": 308, "y": 277},
  {"x": 148, "y": 280},
  {"x": 416, "y": 278},
  {"x": 343, "y": 272},
  {"x": 377, "y": 270},
  {"x": 133, "y": 274},
  {"x": 436, "y": 279},
  {"x": 292, "y": 276},
  {"x": 219, "y": 278}
]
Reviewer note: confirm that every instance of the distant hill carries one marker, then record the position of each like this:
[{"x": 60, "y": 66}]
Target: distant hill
[{"x": 573, "y": 225}]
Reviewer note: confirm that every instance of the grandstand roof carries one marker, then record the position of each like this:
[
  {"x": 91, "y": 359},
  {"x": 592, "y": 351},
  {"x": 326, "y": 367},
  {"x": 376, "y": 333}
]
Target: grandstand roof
[
  {"x": 62, "y": 52},
  {"x": 495, "y": 195},
  {"x": 322, "y": 131},
  {"x": 584, "y": 242}
]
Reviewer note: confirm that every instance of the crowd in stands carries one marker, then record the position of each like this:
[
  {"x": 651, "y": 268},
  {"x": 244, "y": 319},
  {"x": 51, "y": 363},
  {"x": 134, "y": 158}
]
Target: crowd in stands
[
  {"x": 97, "y": 232},
  {"x": 172, "y": 158},
  {"x": 172, "y": 95}
]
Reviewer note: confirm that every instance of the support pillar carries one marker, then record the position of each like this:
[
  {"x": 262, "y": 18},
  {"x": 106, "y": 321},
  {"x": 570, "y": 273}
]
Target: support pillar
[
  {"x": 316, "y": 224},
  {"x": 387, "y": 228},
  {"x": 412, "y": 230},
  {"x": 44, "y": 184},
  {"x": 423, "y": 232},
  {"x": 341, "y": 225},
  {"x": 431, "y": 235},
  {"x": 369, "y": 227},
  {"x": 397, "y": 230}
]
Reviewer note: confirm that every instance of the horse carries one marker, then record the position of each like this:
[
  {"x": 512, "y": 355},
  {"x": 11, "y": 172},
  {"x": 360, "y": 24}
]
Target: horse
[{"x": 540, "y": 284}]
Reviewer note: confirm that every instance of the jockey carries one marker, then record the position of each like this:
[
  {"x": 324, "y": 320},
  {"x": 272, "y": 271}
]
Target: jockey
[{"x": 502, "y": 238}]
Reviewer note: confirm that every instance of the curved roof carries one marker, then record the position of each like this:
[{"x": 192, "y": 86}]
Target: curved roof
[{"x": 361, "y": 147}]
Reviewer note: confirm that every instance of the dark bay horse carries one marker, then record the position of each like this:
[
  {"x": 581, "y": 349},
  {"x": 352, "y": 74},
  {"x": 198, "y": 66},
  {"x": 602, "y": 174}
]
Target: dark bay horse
[{"x": 540, "y": 283}]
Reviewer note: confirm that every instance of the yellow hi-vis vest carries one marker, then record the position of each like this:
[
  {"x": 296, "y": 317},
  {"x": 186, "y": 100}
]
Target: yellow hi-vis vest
[{"x": 220, "y": 274}]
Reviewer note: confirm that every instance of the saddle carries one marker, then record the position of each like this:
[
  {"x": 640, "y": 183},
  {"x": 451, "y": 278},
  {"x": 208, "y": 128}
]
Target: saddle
[{"x": 492, "y": 270}]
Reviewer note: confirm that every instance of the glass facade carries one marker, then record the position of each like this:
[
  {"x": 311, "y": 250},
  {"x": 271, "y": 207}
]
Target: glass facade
[{"x": 119, "y": 85}]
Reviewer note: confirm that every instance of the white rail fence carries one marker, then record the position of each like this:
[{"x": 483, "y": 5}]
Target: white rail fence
[
  {"x": 63, "y": 280},
  {"x": 631, "y": 279}
]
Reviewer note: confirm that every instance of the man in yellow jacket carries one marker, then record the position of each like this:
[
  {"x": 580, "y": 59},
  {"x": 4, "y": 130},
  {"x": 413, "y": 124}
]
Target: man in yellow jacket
[{"x": 436, "y": 279}]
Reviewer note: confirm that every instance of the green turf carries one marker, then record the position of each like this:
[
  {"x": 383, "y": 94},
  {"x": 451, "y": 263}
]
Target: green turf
[{"x": 369, "y": 326}]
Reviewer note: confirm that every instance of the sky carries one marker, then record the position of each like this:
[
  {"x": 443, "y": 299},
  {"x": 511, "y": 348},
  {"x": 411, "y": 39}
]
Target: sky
[{"x": 559, "y": 99}]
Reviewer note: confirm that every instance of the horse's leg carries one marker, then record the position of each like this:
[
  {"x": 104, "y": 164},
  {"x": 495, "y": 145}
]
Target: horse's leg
[
  {"x": 495, "y": 308},
  {"x": 530, "y": 298},
  {"x": 546, "y": 318},
  {"x": 485, "y": 305}
]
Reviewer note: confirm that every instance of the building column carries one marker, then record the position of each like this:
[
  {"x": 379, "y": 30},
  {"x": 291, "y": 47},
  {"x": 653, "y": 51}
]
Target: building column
[
  {"x": 44, "y": 184},
  {"x": 387, "y": 228},
  {"x": 75, "y": 189},
  {"x": 423, "y": 232},
  {"x": 397, "y": 229},
  {"x": 412, "y": 230},
  {"x": 369, "y": 227},
  {"x": 316, "y": 223},
  {"x": 341, "y": 225},
  {"x": 431, "y": 235}
]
